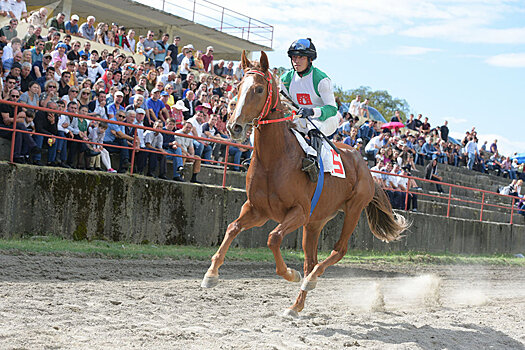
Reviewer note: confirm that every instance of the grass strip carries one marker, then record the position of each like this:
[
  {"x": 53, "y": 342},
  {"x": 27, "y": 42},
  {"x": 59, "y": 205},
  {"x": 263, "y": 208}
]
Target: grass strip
[{"x": 122, "y": 250}]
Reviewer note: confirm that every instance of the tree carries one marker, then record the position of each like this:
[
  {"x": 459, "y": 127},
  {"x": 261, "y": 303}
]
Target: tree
[{"x": 380, "y": 100}]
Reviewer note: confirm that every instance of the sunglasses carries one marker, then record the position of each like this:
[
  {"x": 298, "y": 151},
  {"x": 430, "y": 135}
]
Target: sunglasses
[
  {"x": 15, "y": 95},
  {"x": 85, "y": 93},
  {"x": 75, "y": 91}
]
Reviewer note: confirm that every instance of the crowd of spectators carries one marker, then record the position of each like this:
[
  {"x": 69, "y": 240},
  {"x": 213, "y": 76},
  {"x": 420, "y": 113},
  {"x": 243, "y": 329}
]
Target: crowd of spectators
[
  {"x": 399, "y": 149},
  {"x": 171, "y": 87}
]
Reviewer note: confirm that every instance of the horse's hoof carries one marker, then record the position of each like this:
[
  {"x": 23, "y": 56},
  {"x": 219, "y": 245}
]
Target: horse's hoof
[
  {"x": 290, "y": 313},
  {"x": 296, "y": 275},
  {"x": 210, "y": 282},
  {"x": 308, "y": 285}
]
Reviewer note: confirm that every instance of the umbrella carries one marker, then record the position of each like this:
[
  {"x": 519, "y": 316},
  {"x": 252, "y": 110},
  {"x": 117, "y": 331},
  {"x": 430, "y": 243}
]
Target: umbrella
[
  {"x": 393, "y": 125},
  {"x": 375, "y": 115},
  {"x": 520, "y": 157},
  {"x": 454, "y": 141}
]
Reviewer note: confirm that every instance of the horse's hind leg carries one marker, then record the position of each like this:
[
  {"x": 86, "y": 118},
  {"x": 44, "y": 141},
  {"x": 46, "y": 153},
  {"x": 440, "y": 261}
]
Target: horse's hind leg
[
  {"x": 352, "y": 213},
  {"x": 310, "y": 238},
  {"x": 294, "y": 219},
  {"x": 248, "y": 218}
]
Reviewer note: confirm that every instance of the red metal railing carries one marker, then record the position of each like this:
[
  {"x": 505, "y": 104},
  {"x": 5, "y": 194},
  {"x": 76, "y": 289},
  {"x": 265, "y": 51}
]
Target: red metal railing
[
  {"x": 135, "y": 148},
  {"x": 449, "y": 197},
  {"x": 225, "y": 163},
  {"x": 219, "y": 18}
]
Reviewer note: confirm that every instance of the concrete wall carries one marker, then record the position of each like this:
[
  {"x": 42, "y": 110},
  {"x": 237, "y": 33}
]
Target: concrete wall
[{"x": 95, "y": 205}]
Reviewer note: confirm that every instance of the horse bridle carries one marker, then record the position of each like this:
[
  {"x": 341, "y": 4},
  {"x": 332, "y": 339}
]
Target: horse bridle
[{"x": 267, "y": 108}]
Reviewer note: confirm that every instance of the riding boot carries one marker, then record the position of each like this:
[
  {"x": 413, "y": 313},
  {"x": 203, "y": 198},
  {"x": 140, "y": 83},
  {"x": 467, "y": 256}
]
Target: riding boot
[{"x": 311, "y": 163}]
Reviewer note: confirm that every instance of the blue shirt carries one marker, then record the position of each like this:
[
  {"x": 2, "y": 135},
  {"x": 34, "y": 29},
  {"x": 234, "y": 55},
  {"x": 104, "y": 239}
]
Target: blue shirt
[
  {"x": 35, "y": 57},
  {"x": 72, "y": 28},
  {"x": 161, "y": 56},
  {"x": 108, "y": 136},
  {"x": 112, "y": 109},
  {"x": 156, "y": 106}
]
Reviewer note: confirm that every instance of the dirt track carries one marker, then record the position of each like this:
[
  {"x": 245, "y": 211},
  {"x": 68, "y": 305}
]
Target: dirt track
[{"x": 65, "y": 302}]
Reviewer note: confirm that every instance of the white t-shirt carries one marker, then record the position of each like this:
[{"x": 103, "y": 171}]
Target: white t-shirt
[
  {"x": 185, "y": 62},
  {"x": 18, "y": 8},
  {"x": 374, "y": 143},
  {"x": 195, "y": 123},
  {"x": 354, "y": 107}
]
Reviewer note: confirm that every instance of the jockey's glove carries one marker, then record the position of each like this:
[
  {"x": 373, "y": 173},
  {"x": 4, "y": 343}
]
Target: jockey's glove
[{"x": 305, "y": 112}]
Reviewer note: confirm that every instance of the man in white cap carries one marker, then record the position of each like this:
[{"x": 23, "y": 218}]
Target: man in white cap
[
  {"x": 207, "y": 59},
  {"x": 87, "y": 30},
  {"x": 38, "y": 18},
  {"x": 116, "y": 105},
  {"x": 72, "y": 26},
  {"x": 155, "y": 108}
]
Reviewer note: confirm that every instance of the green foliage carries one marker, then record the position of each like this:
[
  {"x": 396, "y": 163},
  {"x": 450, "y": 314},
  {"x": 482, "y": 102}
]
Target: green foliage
[{"x": 380, "y": 100}]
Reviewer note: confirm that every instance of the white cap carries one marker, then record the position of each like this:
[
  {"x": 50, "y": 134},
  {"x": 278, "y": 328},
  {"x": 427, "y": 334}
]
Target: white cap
[
  {"x": 74, "y": 17},
  {"x": 209, "y": 48},
  {"x": 119, "y": 93}
]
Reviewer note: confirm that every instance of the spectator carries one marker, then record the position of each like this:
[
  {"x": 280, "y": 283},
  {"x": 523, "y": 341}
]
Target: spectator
[
  {"x": 87, "y": 29},
  {"x": 172, "y": 147},
  {"x": 444, "y": 131},
  {"x": 471, "y": 149},
  {"x": 187, "y": 146},
  {"x": 149, "y": 46},
  {"x": 46, "y": 123},
  {"x": 116, "y": 136},
  {"x": 115, "y": 106},
  {"x": 161, "y": 50},
  {"x": 218, "y": 69},
  {"x": 354, "y": 106},
  {"x": 58, "y": 22},
  {"x": 155, "y": 108},
  {"x": 228, "y": 70},
  {"x": 207, "y": 59},
  {"x": 131, "y": 41},
  {"x": 121, "y": 40},
  {"x": 5, "y": 7},
  {"x": 72, "y": 26},
  {"x": 153, "y": 141},
  {"x": 96, "y": 134},
  {"x": 38, "y": 18},
  {"x": 372, "y": 147},
  {"x": 18, "y": 9},
  {"x": 494, "y": 147},
  {"x": 9, "y": 31},
  {"x": 431, "y": 173},
  {"x": 396, "y": 117}
]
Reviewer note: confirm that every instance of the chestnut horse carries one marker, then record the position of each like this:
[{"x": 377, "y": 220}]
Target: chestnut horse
[{"x": 278, "y": 190}]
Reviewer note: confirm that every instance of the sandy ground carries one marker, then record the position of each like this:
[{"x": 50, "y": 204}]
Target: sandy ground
[{"x": 62, "y": 302}]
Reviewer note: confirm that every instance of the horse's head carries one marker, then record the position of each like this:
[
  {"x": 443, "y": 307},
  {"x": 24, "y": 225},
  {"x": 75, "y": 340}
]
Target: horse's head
[{"x": 254, "y": 97}]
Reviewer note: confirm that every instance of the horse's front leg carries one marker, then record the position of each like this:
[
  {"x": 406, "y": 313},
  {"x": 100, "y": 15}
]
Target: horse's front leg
[
  {"x": 248, "y": 218},
  {"x": 310, "y": 238},
  {"x": 294, "y": 219}
]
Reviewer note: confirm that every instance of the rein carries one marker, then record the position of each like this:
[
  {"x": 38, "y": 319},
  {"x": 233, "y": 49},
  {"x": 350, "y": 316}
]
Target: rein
[{"x": 267, "y": 108}]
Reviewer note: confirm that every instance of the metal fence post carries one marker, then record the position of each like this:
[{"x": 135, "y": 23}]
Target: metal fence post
[
  {"x": 133, "y": 151},
  {"x": 15, "y": 117},
  {"x": 227, "y": 154},
  {"x": 512, "y": 210},
  {"x": 449, "y": 196},
  {"x": 482, "y": 202},
  {"x": 222, "y": 17},
  {"x": 194, "y": 4}
]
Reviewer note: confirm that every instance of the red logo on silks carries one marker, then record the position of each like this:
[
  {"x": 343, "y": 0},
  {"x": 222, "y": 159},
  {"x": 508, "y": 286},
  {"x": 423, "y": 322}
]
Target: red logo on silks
[{"x": 304, "y": 99}]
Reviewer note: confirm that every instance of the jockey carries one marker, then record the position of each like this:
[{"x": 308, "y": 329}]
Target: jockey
[{"x": 311, "y": 89}]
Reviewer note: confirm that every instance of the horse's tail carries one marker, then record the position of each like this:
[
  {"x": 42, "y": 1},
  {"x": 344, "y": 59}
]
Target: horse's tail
[{"x": 384, "y": 223}]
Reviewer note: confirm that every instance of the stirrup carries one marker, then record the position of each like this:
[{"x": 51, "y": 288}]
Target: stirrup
[{"x": 311, "y": 168}]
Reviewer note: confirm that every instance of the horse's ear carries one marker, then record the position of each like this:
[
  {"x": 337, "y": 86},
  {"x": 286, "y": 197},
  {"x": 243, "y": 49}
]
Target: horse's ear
[
  {"x": 245, "y": 62},
  {"x": 264, "y": 62}
]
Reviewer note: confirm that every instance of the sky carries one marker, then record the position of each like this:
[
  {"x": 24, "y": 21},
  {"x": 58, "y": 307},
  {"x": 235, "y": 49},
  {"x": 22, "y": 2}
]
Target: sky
[{"x": 461, "y": 61}]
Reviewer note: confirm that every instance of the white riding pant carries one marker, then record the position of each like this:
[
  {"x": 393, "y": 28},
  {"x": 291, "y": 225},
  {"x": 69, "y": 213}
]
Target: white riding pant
[{"x": 327, "y": 127}]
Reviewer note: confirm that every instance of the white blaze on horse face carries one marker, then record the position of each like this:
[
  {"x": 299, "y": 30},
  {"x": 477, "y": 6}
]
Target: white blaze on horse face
[{"x": 246, "y": 85}]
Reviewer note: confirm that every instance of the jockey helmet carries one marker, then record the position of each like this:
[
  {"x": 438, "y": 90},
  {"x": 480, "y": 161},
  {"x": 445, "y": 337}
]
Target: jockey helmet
[{"x": 303, "y": 47}]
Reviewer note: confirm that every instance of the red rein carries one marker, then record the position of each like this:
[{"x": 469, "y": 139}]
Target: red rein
[{"x": 267, "y": 108}]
